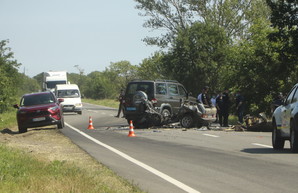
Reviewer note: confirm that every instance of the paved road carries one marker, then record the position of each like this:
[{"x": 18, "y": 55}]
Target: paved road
[{"x": 172, "y": 160}]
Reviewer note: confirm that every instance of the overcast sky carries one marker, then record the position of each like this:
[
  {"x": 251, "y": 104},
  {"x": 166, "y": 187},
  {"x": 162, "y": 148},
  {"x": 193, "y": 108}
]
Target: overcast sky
[{"x": 59, "y": 34}]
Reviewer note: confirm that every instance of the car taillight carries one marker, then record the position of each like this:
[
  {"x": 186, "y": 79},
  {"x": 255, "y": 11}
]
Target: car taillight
[
  {"x": 154, "y": 101},
  {"x": 204, "y": 116}
]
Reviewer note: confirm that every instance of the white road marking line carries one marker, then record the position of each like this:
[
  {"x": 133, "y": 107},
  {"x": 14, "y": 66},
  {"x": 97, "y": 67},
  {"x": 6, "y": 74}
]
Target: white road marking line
[
  {"x": 209, "y": 135},
  {"x": 262, "y": 145},
  {"x": 141, "y": 164}
]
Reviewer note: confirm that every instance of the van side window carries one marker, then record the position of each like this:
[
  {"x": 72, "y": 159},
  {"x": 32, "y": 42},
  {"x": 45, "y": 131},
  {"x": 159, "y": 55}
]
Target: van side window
[
  {"x": 182, "y": 91},
  {"x": 161, "y": 88},
  {"x": 173, "y": 90}
]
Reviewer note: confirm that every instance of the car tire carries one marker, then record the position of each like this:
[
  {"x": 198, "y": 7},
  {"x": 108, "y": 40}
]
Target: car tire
[
  {"x": 60, "y": 124},
  {"x": 22, "y": 129},
  {"x": 80, "y": 112},
  {"x": 166, "y": 115},
  {"x": 187, "y": 121},
  {"x": 155, "y": 119},
  {"x": 294, "y": 137},
  {"x": 277, "y": 141}
]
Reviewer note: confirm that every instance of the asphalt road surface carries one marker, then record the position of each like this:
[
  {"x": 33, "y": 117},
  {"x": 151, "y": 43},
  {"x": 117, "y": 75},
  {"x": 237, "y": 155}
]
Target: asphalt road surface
[{"x": 172, "y": 160}]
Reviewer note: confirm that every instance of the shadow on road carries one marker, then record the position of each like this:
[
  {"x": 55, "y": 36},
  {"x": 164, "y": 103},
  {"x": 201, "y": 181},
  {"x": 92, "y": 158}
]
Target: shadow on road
[
  {"x": 266, "y": 151},
  {"x": 10, "y": 132}
]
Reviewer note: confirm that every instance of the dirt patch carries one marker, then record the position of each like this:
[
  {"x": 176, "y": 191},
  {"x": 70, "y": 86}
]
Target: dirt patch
[{"x": 46, "y": 144}]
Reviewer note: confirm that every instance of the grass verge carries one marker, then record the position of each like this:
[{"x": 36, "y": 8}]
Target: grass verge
[
  {"x": 8, "y": 119},
  {"x": 104, "y": 102},
  {"x": 20, "y": 172}
]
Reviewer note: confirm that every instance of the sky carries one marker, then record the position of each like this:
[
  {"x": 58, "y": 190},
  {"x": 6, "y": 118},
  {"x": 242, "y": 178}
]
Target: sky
[{"x": 58, "y": 35}]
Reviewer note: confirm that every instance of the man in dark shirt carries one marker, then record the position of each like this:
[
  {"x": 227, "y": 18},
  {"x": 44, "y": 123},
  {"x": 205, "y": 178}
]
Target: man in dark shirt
[
  {"x": 226, "y": 107},
  {"x": 223, "y": 106},
  {"x": 120, "y": 98},
  {"x": 239, "y": 106},
  {"x": 219, "y": 107}
]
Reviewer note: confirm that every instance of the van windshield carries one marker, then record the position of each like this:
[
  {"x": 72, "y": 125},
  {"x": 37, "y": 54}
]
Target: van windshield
[{"x": 68, "y": 94}]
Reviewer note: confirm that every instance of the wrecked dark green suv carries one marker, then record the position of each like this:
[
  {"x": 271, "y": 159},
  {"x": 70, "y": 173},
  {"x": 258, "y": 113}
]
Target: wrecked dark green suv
[{"x": 164, "y": 96}]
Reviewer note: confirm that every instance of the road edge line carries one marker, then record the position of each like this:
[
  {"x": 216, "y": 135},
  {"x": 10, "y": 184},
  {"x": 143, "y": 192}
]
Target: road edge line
[{"x": 137, "y": 162}]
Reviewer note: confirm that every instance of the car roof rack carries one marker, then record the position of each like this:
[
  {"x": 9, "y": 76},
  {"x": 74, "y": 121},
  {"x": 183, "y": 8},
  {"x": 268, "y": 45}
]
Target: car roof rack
[
  {"x": 160, "y": 80},
  {"x": 157, "y": 80}
]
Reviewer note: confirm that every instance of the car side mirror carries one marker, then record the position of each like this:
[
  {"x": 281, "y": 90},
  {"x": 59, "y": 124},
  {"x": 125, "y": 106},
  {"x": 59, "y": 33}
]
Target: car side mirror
[
  {"x": 60, "y": 100},
  {"x": 16, "y": 106}
]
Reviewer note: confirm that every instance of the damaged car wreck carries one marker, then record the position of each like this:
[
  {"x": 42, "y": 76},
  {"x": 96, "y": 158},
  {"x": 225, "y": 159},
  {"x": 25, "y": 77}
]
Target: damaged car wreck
[{"x": 159, "y": 102}]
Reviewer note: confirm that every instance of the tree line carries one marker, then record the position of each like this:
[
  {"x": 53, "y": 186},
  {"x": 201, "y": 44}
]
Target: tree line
[{"x": 249, "y": 46}]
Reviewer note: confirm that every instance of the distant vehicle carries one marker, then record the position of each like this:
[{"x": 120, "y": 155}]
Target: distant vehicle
[
  {"x": 165, "y": 96},
  {"x": 52, "y": 78},
  {"x": 285, "y": 122},
  {"x": 38, "y": 110},
  {"x": 71, "y": 95}
]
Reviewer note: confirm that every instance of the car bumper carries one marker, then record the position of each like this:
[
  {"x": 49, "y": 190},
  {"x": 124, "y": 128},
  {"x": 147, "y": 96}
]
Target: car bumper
[
  {"x": 39, "y": 123},
  {"x": 71, "y": 108}
]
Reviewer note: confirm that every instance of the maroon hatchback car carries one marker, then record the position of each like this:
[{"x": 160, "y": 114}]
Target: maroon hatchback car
[{"x": 38, "y": 110}]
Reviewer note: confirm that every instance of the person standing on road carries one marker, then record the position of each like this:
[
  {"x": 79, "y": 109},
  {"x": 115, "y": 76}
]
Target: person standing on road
[
  {"x": 277, "y": 102},
  {"x": 226, "y": 107},
  {"x": 120, "y": 99},
  {"x": 219, "y": 107},
  {"x": 203, "y": 97},
  {"x": 239, "y": 107}
]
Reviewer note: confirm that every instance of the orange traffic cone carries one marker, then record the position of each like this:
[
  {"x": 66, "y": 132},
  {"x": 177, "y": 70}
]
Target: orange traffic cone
[
  {"x": 90, "y": 123},
  {"x": 131, "y": 132}
]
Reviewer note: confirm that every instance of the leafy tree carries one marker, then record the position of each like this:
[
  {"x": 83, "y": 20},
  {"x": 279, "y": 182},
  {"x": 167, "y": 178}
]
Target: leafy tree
[
  {"x": 9, "y": 79},
  {"x": 196, "y": 56},
  {"x": 235, "y": 16},
  {"x": 284, "y": 18},
  {"x": 151, "y": 68},
  {"x": 28, "y": 85},
  {"x": 254, "y": 68},
  {"x": 170, "y": 15},
  {"x": 39, "y": 78},
  {"x": 120, "y": 73}
]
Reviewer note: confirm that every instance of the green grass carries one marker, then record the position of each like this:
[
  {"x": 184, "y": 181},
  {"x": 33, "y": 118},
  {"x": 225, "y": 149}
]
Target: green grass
[
  {"x": 104, "y": 102},
  {"x": 8, "y": 119},
  {"x": 20, "y": 172},
  {"x": 233, "y": 120}
]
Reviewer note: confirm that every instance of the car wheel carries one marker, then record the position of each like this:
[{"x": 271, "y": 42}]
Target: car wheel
[
  {"x": 60, "y": 124},
  {"x": 294, "y": 137},
  {"x": 22, "y": 129},
  {"x": 277, "y": 141},
  {"x": 80, "y": 112},
  {"x": 187, "y": 121},
  {"x": 166, "y": 115},
  {"x": 155, "y": 119}
]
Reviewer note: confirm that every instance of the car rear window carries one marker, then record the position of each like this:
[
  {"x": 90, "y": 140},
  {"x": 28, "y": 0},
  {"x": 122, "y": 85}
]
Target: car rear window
[
  {"x": 147, "y": 87},
  {"x": 39, "y": 99}
]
